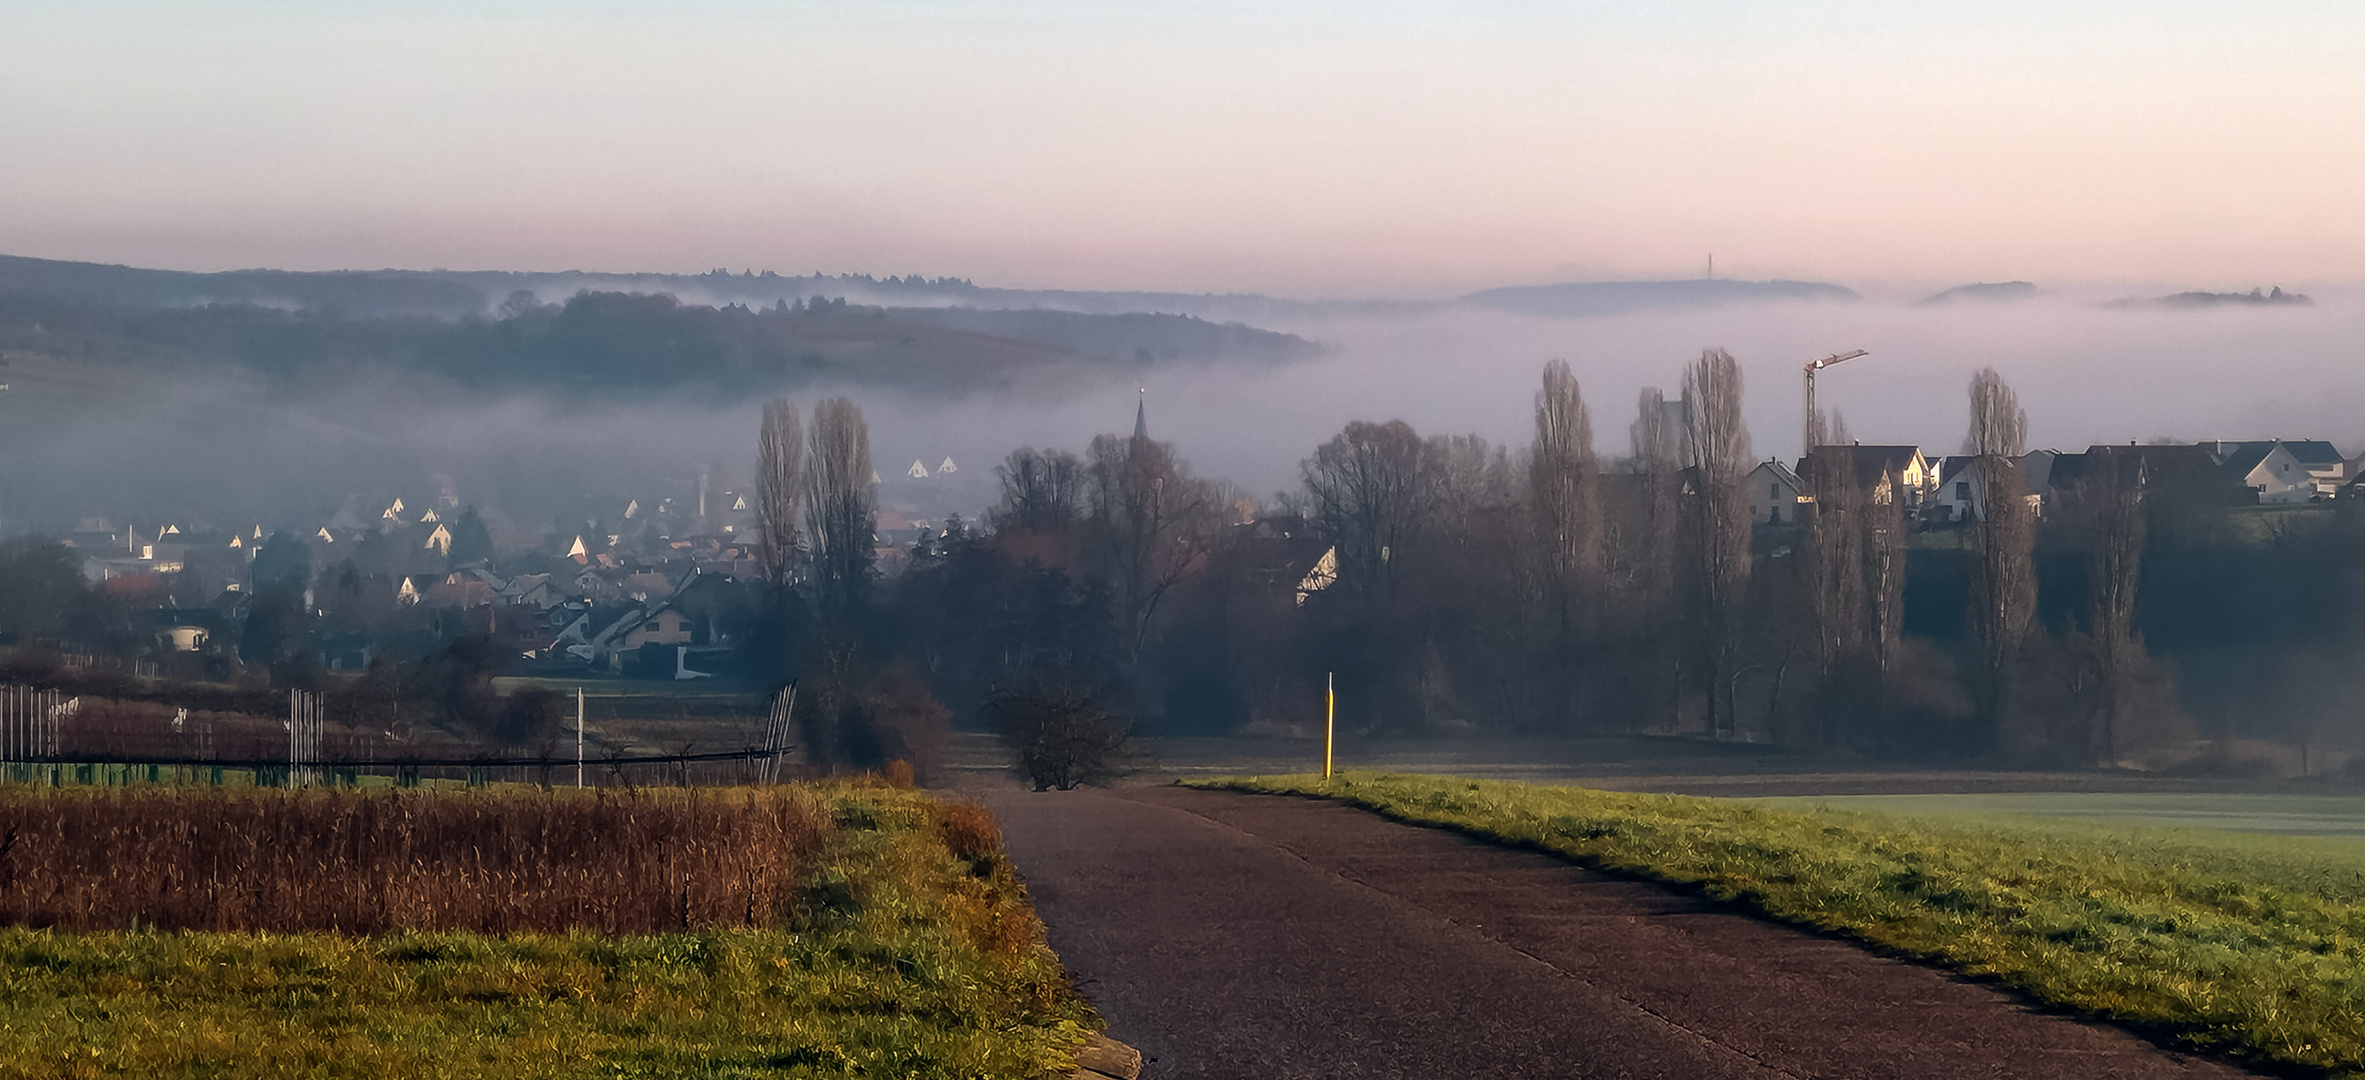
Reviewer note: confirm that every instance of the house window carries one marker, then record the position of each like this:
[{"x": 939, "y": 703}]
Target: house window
[{"x": 1962, "y": 491}]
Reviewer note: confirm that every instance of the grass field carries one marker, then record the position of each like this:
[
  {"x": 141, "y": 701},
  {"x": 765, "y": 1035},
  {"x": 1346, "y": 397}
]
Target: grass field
[
  {"x": 2329, "y": 816},
  {"x": 2239, "y": 943},
  {"x": 838, "y": 930}
]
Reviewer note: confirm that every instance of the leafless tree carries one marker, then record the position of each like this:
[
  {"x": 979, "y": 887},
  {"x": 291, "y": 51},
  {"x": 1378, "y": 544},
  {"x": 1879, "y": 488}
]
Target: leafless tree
[
  {"x": 1372, "y": 485},
  {"x": 1854, "y": 566},
  {"x": 840, "y": 513},
  {"x": 1152, "y": 525},
  {"x": 2110, "y": 500},
  {"x": 1657, "y": 467},
  {"x": 1564, "y": 488},
  {"x": 1830, "y": 429},
  {"x": 780, "y": 479},
  {"x": 1883, "y": 512},
  {"x": 1834, "y": 554},
  {"x": 2003, "y": 539},
  {"x": 1042, "y": 491},
  {"x": 1999, "y": 426},
  {"x": 1639, "y": 532},
  {"x": 1473, "y": 479},
  {"x": 1716, "y": 520}
]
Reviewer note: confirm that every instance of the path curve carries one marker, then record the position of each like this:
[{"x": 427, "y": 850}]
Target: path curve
[{"x": 1251, "y": 937}]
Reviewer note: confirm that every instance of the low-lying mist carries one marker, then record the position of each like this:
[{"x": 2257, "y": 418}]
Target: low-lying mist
[{"x": 231, "y": 448}]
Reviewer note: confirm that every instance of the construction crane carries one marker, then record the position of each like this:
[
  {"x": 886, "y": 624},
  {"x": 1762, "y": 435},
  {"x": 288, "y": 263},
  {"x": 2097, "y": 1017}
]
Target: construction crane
[{"x": 1808, "y": 436}]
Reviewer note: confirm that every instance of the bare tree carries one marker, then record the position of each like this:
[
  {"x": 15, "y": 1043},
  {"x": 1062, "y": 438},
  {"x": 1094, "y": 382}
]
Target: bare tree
[
  {"x": 1152, "y": 525},
  {"x": 1831, "y": 429},
  {"x": 1042, "y": 491},
  {"x": 840, "y": 514},
  {"x": 2003, "y": 538},
  {"x": 1835, "y": 557},
  {"x": 780, "y": 480},
  {"x": 1639, "y": 555},
  {"x": 2110, "y": 499},
  {"x": 1372, "y": 485},
  {"x": 1472, "y": 478},
  {"x": 1854, "y": 565},
  {"x": 1884, "y": 570},
  {"x": 1656, "y": 467},
  {"x": 1716, "y": 522},
  {"x": 1999, "y": 426},
  {"x": 1564, "y": 486}
]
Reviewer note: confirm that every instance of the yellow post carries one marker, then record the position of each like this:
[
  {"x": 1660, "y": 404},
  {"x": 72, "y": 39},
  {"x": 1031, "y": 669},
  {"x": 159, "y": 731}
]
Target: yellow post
[{"x": 1330, "y": 719}]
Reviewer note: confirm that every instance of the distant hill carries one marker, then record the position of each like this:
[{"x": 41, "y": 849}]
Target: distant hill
[
  {"x": 356, "y": 293},
  {"x": 452, "y": 294},
  {"x": 1986, "y": 292},
  {"x": 1614, "y": 297},
  {"x": 2216, "y": 299},
  {"x": 597, "y": 344}
]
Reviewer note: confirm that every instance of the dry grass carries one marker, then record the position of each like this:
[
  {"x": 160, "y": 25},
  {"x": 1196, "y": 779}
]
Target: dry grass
[
  {"x": 895, "y": 940},
  {"x": 262, "y": 860}
]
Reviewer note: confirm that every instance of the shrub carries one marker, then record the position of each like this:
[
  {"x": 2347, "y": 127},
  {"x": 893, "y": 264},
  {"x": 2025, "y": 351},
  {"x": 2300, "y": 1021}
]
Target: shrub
[{"x": 1063, "y": 737}]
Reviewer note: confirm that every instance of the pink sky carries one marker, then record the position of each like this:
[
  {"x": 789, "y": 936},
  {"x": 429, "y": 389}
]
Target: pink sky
[{"x": 1399, "y": 149}]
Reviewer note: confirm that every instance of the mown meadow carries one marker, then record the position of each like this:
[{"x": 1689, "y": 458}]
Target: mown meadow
[
  {"x": 839, "y": 929},
  {"x": 2248, "y": 946}
]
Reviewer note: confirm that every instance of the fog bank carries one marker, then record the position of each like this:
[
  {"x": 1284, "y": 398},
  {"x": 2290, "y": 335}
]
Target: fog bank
[{"x": 233, "y": 450}]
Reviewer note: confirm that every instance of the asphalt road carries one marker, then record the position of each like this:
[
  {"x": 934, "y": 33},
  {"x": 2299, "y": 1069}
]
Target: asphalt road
[{"x": 1256, "y": 937}]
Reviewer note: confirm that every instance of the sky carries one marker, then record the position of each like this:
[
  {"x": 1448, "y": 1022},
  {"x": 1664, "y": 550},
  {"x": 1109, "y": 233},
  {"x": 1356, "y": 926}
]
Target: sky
[{"x": 1352, "y": 149}]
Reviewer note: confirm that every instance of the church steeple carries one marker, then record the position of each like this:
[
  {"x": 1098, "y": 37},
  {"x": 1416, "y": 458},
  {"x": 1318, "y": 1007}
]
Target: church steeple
[{"x": 1141, "y": 415}]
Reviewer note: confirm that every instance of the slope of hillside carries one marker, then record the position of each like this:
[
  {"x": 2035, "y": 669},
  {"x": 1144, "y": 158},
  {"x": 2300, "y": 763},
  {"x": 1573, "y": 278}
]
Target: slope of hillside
[
  {"x": 601, "y": 345},
  {"x": 1986, "y": 292}
]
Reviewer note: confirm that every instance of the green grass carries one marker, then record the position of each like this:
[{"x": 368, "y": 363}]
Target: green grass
[
  {"x": 2238, "y": 944},
  {"x": 2341, "y": 816},
  {"x": 910, "y": 953}
]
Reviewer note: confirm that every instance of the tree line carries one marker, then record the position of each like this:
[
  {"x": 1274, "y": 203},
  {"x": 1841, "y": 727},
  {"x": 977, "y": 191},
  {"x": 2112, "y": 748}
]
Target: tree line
[{"x": 1454, "y": 586}]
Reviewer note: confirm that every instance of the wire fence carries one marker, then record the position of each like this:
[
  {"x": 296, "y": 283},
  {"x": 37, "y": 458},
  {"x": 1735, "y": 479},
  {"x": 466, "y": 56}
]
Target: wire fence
[
  {"x": 306, "y": 722},
  {"x": 32, "y": 723},
  {"x": 38, "y": 744}
]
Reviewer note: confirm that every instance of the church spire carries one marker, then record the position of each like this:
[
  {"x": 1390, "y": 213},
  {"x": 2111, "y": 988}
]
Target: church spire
[{"x": 1141, "y": 415}]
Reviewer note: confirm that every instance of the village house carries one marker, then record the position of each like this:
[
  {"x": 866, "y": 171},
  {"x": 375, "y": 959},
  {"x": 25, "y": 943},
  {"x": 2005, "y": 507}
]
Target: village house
[
  {"x": 1960, "y": 494},
  {"x": 1907, "y": 473},
  {"x": 613, "y": 637},
  {"x": 1774, "y": 494},
  {"x": 1905, "y": 464},
  {"x": 2285, "y": 470},
  {"x": 530, "y": 590}
]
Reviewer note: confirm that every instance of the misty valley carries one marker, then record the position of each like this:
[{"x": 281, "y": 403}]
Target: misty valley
[
  {"x": 341, "y": 503},
  {"x": 1070, "y": 540},
  {"x": 436, "y": 557}
]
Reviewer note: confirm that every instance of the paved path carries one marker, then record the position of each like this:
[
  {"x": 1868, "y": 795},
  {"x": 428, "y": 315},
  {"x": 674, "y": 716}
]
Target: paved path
[{"x": 1259, "y": 938}]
